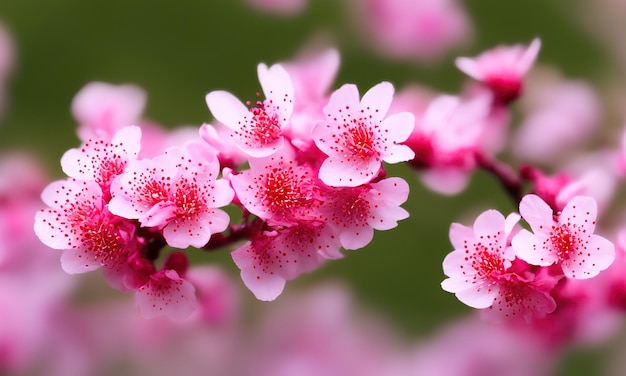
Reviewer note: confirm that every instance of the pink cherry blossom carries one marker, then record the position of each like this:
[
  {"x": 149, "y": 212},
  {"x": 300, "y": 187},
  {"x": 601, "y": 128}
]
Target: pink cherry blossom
[
  {"x": 420, "y": 29},
  {"x": 502, "y": 68},
  {"x": 100, "y": 160},
  {"x": 480, "y": 258},
  {"x": 177, "y": 192},
  {"x": 357, "y": 137},
  {"x": 277, "y": 189},
  {"x": 559, "y": 116},
  {"x": 257, "y": 131},
  {"x": 78, "y": 222},
  {"x": 269, "y": 259},
  {"x": 355, "y": 212},
  {"x": 101, "y": 109},
  {"x": 446, "y": 140},
  {"x": 166, "y": 294},
  {"x": 566, "y": 238}
]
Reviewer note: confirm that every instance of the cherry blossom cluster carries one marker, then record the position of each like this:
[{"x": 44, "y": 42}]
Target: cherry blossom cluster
[
  {"x": 542, "y": 266},
  {"x": 305, "y": 168}
]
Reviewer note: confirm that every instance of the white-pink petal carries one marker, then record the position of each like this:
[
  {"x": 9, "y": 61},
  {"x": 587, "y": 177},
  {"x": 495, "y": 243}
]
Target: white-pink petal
[
  {"x": 537, "y": 213},
  {"x": 376, "y": 101},
  {"x": 479, "y": 296},
  {"x": 78, "y": 261},
  {"x": 597, "y": 255},
  {"x": 227, "y": 109},
  {"x": 532, "y": 248},
  {"x": 580, "y": 212}
]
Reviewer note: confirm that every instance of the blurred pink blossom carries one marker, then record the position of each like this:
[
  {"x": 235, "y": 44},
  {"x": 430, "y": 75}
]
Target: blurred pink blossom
[
  {"x": 423, "y": 30},
  {"x": 560, "y": 115}
]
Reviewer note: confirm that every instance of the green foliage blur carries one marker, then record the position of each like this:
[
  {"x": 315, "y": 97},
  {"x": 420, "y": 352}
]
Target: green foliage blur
[{"x": 178, "y": 51}]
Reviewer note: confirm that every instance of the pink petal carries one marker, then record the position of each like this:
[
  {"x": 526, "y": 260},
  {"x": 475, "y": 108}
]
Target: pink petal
[
  {"x": 580, "y": 212},
  {"x": 537, "y": 213},
  {"x": 386, "y": 218},
  {"x": 222, "y": 195},
  {"x": 184, "y": 233},
  {"x": 398, "y": 153},
  {"x": 227, "y": 109},
  {"x": 265, "y": 287},
  {"x": 530, "y": 248},
  {"x": 456, "y": 267},
  {"x": 129, "y": 138},
  {"x": 460, "y": 234},
  {"x": 478, "y": 296},
  {"x": 77, "y": 261},
  {"x": 445, "y": 180},
  {"x": 377, "y": 100},
  {"x": 278, "y": 88},
  {"x": 336, "y": 172},
  {"x": 490, "y": 225},
  {"x": 597, "y": 255},
  {"x": 398, "y": 126},
  {"x": 394, "y": 190},
  {"x": 356, "y": 237},
  {"x": 470, "y": 67},
  {"x": 344, "y": 99},
  {"x": 530, "y": 55}
]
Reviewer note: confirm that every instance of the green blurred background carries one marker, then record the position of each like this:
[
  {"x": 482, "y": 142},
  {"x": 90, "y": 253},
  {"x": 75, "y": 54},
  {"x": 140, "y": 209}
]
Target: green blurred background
[{"x": 180, "y": 50}]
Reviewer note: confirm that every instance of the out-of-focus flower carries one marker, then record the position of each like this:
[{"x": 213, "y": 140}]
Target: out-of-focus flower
[
  {"x": 422, "y": 30},
  {"x": 474, "y": 347},
  {"x": 502, "y": 69},
  {"x": 559, "y": 116},
  {"x": 446, "y": 139}
]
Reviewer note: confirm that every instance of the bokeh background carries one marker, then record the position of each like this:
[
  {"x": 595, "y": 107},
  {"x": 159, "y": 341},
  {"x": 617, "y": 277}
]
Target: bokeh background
[{"x": 178, "y": 51}]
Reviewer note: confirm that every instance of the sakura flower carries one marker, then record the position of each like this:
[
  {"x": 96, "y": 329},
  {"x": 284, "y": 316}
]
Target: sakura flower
[
  {"x": 101, "y": 161},
  {"x": 446, "y": 139},
  {"x": 355, "y": 212},
  {"x": 480, "y": 258},
  {"x": 560, "y": 116},
  {"x": 176, "y": 192},
  {"x": 420, "y": 29},
  {"x": 271, "y": 258},
  {"x": 257, "y": 131},
  {"x": 566, "y": 238},
  {"x": 166, "y": 294},
  {"x": 357, "y": 137},
  {"x": 101, "y": 109},
  {"x": 502, "y": 68},
  {"x": 278, "y": 190},
  {"x": 78, "y": 222}
]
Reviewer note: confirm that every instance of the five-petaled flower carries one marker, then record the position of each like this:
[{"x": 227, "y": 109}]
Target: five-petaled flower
[
  {"x": 357, "y": 137},
  {"x": 566, "y": 238},
  {"x": 257, "y": 131}
]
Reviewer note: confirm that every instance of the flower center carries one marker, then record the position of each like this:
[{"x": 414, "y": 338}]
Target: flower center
[
  {"x": 563, "y": 241},
  {"x": 265, "y": 127},
  {"x": 360, "y": 141}
]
